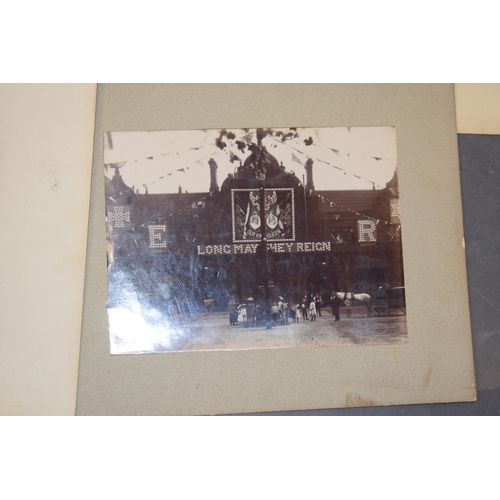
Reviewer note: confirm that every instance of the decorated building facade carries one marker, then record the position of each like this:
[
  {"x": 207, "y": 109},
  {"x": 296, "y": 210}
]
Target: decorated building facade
[{"x": 262, "y": 229}]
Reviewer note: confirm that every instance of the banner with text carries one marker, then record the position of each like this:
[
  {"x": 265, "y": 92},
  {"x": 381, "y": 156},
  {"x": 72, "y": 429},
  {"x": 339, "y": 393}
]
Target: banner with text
[{"x": 251, "y": 248}]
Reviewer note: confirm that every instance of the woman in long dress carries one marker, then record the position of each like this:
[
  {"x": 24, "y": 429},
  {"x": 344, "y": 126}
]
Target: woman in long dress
[
  {"x": 312, "y": 310},
  {"x": 242, "y": 314}
]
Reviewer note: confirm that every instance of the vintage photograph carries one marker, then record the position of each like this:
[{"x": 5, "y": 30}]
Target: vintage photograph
[{"x": 253, "y": 239}]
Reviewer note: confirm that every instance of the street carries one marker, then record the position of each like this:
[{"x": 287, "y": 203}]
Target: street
[{"x": 212, "y": 331}]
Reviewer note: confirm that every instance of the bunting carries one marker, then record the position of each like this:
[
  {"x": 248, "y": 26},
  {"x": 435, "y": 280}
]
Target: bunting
[
  {"x": 227, "y": 140},
  {"x": 332, "y": 204},
  {"x": 296, "y": 159},
  {"x": 336, "y": 151}
]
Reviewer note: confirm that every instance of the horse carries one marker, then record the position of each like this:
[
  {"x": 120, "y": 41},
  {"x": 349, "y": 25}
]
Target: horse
[{"x": 363, "y": 298}]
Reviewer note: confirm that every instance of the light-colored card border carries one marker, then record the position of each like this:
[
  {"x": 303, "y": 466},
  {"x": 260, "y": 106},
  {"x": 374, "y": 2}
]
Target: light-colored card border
[
  {"x": 435, "y": 366},
  {"x": 478, "y": 108},
  {"x": 46, "y": 137}
]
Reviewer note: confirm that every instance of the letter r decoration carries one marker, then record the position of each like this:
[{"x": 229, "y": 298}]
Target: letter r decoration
[{"x": 366, "y": 230}]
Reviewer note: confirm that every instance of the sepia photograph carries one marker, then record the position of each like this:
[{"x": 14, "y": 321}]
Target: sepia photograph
[{"x": 253, "y": 239}]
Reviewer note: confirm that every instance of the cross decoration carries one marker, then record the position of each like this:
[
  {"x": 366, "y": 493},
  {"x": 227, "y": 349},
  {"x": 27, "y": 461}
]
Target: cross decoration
[
  {"x": 395, "y": 212},
  {"x": 119, "y": 216}
]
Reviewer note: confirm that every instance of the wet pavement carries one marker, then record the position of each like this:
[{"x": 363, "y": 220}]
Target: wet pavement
[{"x": 212, "y": 331}]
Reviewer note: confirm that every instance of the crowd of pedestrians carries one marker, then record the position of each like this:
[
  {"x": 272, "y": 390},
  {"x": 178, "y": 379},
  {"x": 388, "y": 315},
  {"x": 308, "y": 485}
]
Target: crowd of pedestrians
[{"x": 251, "y": 313}]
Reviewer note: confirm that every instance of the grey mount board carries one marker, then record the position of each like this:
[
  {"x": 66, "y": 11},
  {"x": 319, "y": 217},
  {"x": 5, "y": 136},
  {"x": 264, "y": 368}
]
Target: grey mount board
[
  {"x": 435, "y": 366},
  {"x": 479, "y": 156}
]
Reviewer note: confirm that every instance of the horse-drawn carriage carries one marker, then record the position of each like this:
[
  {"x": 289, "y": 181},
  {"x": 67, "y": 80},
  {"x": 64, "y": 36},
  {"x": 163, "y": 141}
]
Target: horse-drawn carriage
[{"x": 386, "y": 300}]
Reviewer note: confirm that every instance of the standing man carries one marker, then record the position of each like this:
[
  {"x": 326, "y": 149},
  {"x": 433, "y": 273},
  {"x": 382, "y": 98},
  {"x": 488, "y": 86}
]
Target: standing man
[
  {"x": 233, "y": 311},
  {"x": 335, "y": 300},
  {"x": 275, "y": 313},
  {"x": 304, "y": 308},
  {"x": 319, "y": 303},
  {"x": 258, "y": 314},
  {"x": 250, "y": 312}
]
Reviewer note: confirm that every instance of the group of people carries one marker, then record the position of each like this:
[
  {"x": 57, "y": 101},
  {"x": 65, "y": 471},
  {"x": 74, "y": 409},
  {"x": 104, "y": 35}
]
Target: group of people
[
  {"x": 309, "y": 308},
  {"x": 249, "y": 313}
]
